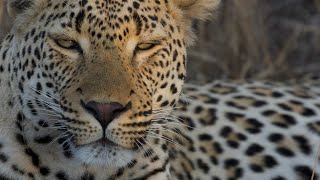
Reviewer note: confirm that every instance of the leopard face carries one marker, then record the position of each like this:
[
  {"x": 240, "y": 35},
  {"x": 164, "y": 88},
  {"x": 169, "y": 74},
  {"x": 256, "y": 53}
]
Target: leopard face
[{"x": 96, "y": 75}]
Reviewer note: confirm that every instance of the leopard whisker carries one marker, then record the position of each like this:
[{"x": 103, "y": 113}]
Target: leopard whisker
[
  {"x": 167, "y": 139},
  {"x": 64, "y": 134},
  {"x": 156, "y": 149},
  {"x": 165, "y": 129}
]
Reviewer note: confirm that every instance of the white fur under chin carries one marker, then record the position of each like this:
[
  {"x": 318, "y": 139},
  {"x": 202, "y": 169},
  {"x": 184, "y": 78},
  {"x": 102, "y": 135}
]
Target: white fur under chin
[{"x": 104, "y": 156}]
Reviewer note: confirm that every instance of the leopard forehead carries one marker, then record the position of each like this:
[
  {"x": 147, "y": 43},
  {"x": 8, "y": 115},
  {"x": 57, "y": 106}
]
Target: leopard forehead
[{"x": 102, "y": 20}]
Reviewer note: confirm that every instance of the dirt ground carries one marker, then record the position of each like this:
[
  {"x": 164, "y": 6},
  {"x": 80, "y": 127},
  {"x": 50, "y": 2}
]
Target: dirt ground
[{"x": 251, "y": 39}]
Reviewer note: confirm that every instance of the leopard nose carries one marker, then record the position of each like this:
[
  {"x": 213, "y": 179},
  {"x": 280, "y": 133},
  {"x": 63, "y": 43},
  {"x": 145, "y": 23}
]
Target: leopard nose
[{"x": 104, "y": 112}]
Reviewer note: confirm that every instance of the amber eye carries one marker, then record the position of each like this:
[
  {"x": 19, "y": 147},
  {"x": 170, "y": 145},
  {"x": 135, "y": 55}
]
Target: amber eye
[
  {"x": 69, "y": 44},
  {"x": 145, "y": 46}
]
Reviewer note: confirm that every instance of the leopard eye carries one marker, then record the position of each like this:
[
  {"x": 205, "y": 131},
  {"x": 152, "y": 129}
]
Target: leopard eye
[
  {"x": 69, "y": 44},
  {"x": 145, "y": 46}
]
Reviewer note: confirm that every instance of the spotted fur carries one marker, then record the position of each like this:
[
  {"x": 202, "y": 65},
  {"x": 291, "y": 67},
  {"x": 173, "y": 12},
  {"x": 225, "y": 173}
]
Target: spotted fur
[
  {"x": 61, "y": 55},
  {"x": 248, "y": 130}
]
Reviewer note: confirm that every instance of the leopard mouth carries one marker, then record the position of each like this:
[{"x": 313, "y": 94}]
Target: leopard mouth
[
  {"x": 104, "y": 153},
  {"x": 104, "y": 143}
]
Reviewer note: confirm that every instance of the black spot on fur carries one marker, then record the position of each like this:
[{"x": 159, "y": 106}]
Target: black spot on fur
[
  {"x": 87, "y": 176},
  {"x": 304, "y": 172},
  {"x": 136, "y": 5},
  {"x": 254, "y": 149},
  {"x": 3, "y": 158},
  {"x": 278, "y": 178},
  {"x": 20, "y": 139},
  {"x": 138, "y": 22},
  {"x": 43, "y": 140},
  {"x": 228, "y": 163},
  {"x": 79, "y": 20},
  {"x": 303, "y": 144},
  {"x": 256, "y": 168},
  {"x": 270, "y": 161},
  {"x": 203, "y": 166},
  {"x": 308, "y": 112},
  {"x": 285, "y": 152},
  {"x": 34, "y": 157},
  {"x": 44, "y": 171},
  {"x": 61, "y": 175},
  {"x": 275, "y": 137},
  {"x": 276, "y": 94},
  {"x": 205, "y": 137}
]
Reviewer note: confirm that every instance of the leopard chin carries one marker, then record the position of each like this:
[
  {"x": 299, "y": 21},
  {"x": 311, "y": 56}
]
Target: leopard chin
[{"x": 104, "y": 154}]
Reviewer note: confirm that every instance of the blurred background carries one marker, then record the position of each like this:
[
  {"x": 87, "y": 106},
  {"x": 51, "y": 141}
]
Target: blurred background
[
  {"x": 251, "y": 39},
  {"x": 258, "y": 39}
]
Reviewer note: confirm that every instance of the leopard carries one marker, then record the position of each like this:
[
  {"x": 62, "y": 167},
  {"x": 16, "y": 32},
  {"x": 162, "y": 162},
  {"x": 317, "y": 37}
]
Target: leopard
[
  {"x": 247, "y": 130},
  {"x": 83, "y": 84},
  {"x": 94, "y": 89}
]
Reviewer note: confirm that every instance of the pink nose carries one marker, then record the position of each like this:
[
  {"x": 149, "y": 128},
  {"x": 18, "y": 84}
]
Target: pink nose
[{"x": 104, "y": 112}]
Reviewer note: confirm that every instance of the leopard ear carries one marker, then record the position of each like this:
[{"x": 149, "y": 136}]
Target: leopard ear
[
  {"x": 185, "y": 11},
  {"x": 197, "y": 9},
  {"x": 15, "y": 7}
]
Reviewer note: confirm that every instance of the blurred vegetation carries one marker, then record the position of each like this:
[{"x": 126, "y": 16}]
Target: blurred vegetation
[
  {"x": 251, "y": 39},
  {"x": 5, "y": 22},
  {"x": 258, "y": 39}
]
